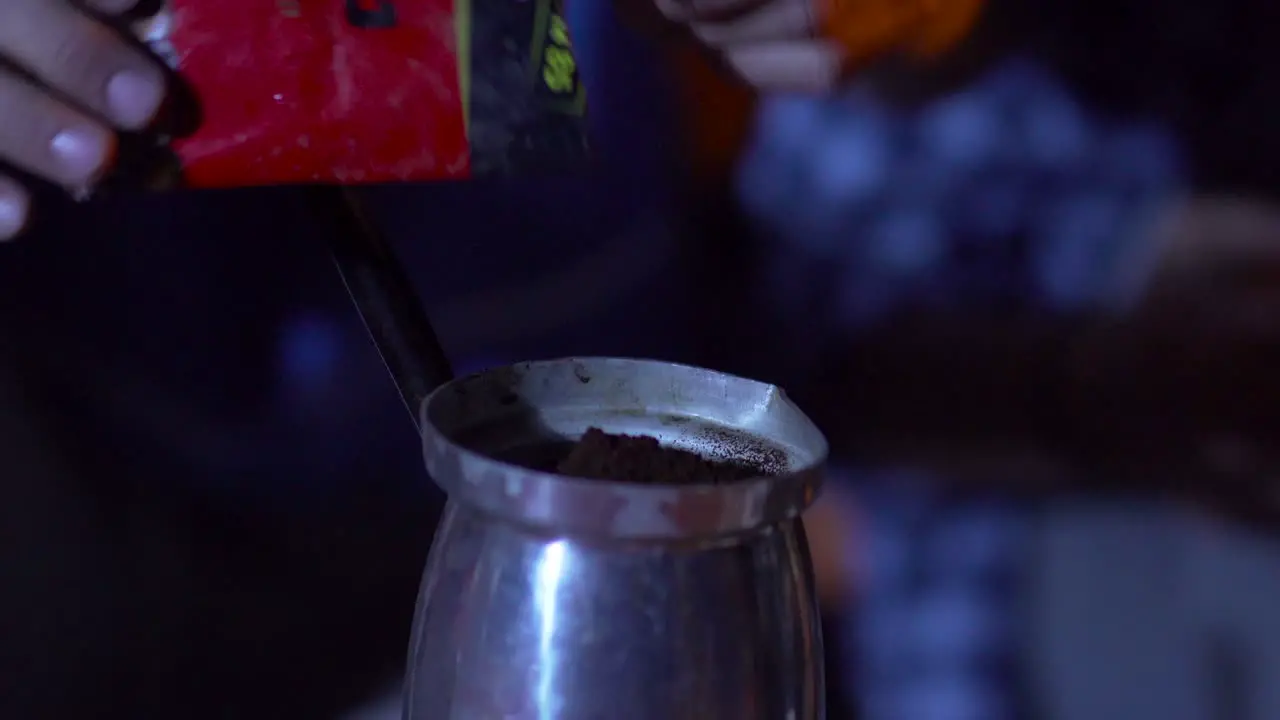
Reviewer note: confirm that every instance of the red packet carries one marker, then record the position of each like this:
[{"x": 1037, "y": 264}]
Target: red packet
[{"x": 281, "y": 92}]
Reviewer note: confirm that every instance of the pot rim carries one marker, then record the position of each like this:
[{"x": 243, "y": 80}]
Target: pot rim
[{"x": 717, "y": 414}]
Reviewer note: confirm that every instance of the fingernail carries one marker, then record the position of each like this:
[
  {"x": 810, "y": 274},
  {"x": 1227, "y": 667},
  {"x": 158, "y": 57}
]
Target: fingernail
[
  {"x": 13, "y": 215},
  {"x": 83, "y": 153},
  {"x": 134, "y": 97}
]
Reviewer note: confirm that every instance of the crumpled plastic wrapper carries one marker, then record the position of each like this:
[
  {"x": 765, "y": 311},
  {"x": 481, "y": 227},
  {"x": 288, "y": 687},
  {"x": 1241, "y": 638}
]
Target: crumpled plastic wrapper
[{"x": 359, "y": 91}]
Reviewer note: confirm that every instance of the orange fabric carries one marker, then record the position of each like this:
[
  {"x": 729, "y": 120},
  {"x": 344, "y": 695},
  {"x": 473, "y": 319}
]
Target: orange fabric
[
  {"x": 870, "y": 28},
  {"x": 717, "y": 114}
]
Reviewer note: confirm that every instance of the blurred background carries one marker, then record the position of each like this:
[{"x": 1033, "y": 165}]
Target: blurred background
[{"x": 1032, "y": 293}]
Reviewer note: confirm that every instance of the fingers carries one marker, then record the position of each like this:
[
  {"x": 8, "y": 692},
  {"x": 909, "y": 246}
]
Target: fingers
[
  {"x": 688, "y": 11},
  {"x": 771, "y": 44},
  {"x": 85, "y": 81},
  {"x": 1223, "y": 225},
  {"x": 82, "y": 59},
  {"x": 43, "y": 136},
  {"x": 1219, "y": 241},
  {"x": 773, "y": 21},
  {"x": 15, "y": 205},
  {"x": 788, "y": 66}
]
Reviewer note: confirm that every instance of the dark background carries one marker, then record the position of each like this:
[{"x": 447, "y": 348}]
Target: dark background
[{"x": 212, "y": 504}]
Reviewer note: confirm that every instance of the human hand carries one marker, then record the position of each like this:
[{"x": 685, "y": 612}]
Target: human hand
[
  {"x": 1210, "y": 304},
  {"x": 1181, "y": 391},
  {"x": 770, "y": 44},
  {"x": 1218, "y": 268},
  {"x": 810, "y": 45},
  {"x": 68, "y": 83}
]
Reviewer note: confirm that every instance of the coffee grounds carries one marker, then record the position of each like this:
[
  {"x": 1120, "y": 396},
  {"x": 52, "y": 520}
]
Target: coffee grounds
[{"x": 642, "y": 459}]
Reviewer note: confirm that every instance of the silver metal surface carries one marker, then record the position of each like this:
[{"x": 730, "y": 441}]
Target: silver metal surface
[{"x": 554, "y": 598}]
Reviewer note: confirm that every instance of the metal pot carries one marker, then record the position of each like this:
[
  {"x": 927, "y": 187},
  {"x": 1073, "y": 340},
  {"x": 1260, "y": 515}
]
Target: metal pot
[{"x": 548, "y": 597}]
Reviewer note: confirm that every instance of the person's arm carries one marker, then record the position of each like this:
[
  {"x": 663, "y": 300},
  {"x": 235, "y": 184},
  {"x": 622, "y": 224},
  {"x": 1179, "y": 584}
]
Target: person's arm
[
  {"x": 979, "y": 397},
  {"x": 1178, "y": 395}
]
